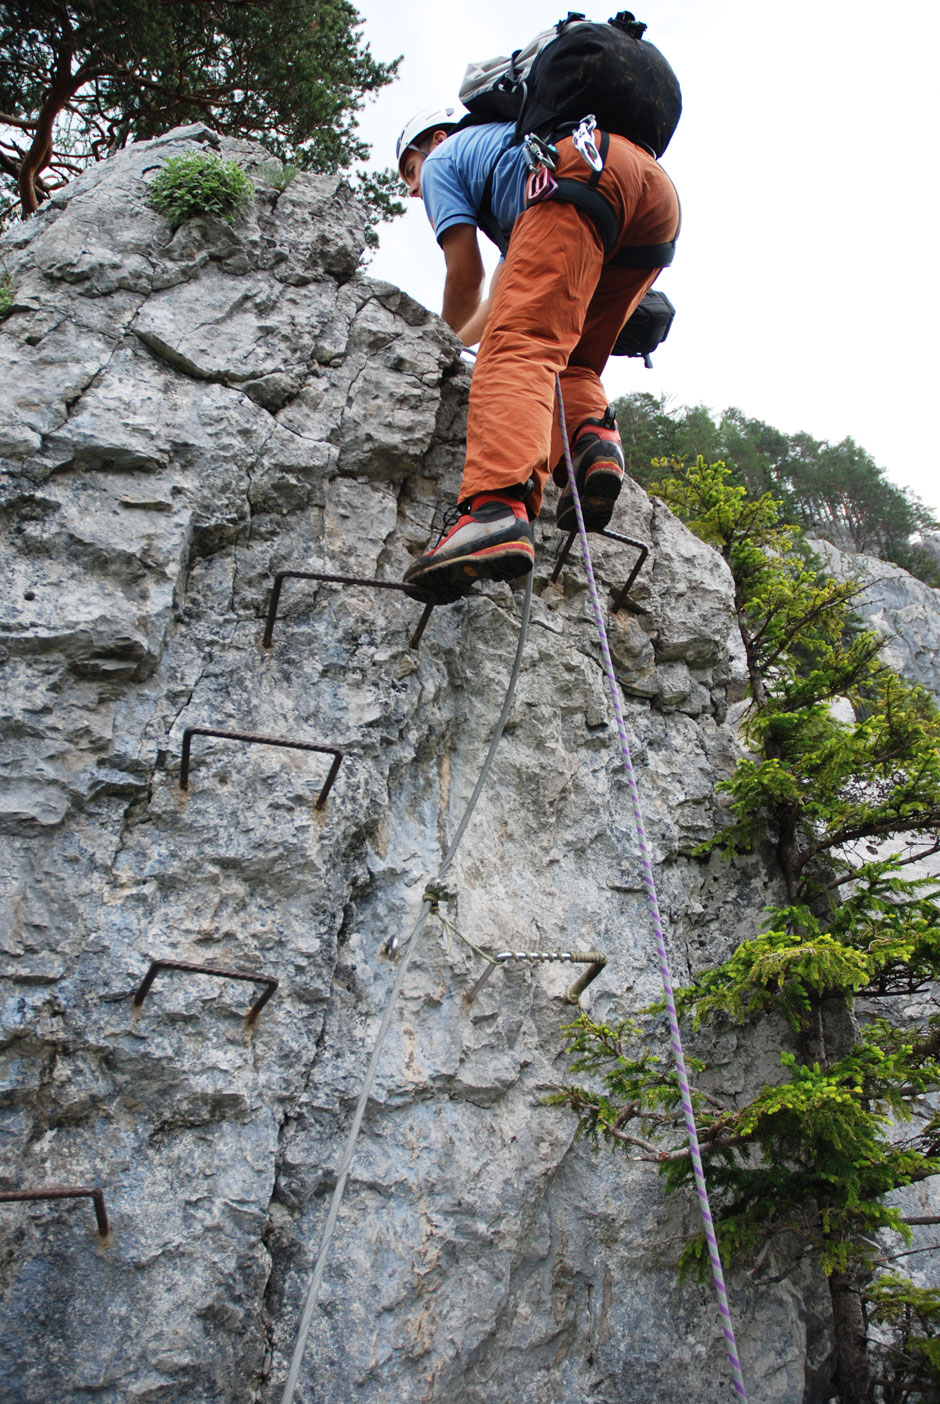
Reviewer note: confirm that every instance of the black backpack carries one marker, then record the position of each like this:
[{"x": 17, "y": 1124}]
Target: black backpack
[
  {"x": 580, "y": 67},
  {"x": 558, "y": 78}
]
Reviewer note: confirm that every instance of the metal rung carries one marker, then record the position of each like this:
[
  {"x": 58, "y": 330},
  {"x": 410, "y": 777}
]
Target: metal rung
[
  {"x": 283, "y": 575},
  {"x": 621, "y": 598},
  {"x": 253, "y": 739},
  {"x": 594, "y": 960},
  {"x": 65, "y": 1192},
  {"x": 140, "y": 994}
]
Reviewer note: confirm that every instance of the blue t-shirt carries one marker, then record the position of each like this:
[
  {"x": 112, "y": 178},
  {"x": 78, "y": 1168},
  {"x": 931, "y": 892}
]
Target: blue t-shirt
[{"x": 454, "y": 175}]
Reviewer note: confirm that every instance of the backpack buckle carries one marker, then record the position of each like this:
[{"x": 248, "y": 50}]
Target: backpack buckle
[{"x": 584, "y": 144}]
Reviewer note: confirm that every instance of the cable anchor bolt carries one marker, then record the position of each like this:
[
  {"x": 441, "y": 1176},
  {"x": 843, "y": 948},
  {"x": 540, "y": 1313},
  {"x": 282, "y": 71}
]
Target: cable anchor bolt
[
  {"x": 435, "y": 893},
  {"x": 594, "y": 960}
]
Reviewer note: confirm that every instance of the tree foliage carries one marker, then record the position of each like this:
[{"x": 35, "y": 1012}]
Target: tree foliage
[
  {"x": 807, "y": 1163},
  {"x": 835, "y": 490},
  {"x": 911, "y": 1356},
  {"x": 81, "y": 78}
]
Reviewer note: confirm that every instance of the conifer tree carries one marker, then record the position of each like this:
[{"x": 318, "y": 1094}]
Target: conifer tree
[
  {"x": 837, "y": 491},
  {"x": 81, "y": 78},
  {"x": 807, "y": 1163}
]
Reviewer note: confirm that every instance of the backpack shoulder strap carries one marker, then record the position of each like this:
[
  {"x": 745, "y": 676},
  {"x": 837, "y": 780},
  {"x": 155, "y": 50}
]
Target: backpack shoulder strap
[{"x": 485, "y": 216}]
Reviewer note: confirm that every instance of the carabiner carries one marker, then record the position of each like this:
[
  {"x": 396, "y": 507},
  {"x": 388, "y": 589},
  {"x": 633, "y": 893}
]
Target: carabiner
[
  {"x": 539, "y": 152},
  {"x": 584, "y": 142}
]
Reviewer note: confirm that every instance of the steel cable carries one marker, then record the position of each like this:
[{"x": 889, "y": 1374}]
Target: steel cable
[
  {"x": 653, "y": 900},
  {"x": 408, "y": 950}
]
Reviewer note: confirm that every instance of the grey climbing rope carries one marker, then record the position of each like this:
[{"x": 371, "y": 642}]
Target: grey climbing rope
[
  {"x": 664, "y": 970},
  {"x": 433, "y": 894}
]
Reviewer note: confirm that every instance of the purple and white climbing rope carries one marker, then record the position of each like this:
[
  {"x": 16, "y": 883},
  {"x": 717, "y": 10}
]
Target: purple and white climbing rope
[{"x": 664, "y": 970}]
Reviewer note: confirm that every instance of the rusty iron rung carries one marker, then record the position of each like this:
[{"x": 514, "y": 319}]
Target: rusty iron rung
[
  {"x": 253, "y": 739},
  {"x": 271, "y": 983},
  {"x": 65, "y": 1192},
  {"x": 620, "y": 598},
  {"x": 330, "y": 579},
  {"x": 574, "y": 992}
]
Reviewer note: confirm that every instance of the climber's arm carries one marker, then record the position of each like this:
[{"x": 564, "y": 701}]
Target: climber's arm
[
  {"x": 463, "y": 284},
  {"x": 473, "y": 330}
]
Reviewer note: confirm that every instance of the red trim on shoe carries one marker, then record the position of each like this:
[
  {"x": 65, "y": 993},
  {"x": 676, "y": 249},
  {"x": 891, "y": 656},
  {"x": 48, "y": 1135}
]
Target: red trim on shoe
[
  {"x": 609, "y": 436},
  {"x": 597, "y": 455},
  {"x": 472, "y": 504}
]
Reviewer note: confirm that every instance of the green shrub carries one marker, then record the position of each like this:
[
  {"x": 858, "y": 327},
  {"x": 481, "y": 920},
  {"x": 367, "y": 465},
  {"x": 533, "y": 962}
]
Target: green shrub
[
  {"x": 6, "y": 296},
  {"x": 199, "y": 183}
]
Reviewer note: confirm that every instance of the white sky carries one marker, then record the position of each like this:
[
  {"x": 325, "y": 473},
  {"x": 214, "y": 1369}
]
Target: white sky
[{"x": 806, "y": 280}]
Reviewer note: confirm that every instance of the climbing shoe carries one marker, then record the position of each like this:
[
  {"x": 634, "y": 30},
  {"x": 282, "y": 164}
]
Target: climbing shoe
[
  {"x": 597, "y": 456},
  {"x": 488, "y": 537}
]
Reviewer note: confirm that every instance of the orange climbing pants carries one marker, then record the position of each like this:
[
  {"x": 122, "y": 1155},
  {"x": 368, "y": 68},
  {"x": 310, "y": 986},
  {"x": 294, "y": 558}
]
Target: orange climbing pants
[{"x": 558, "y": 309}]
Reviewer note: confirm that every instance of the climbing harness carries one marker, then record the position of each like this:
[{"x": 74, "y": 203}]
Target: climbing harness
[
  {"x": 434, "y": 894},
  {"x": 664, "y": 970}
]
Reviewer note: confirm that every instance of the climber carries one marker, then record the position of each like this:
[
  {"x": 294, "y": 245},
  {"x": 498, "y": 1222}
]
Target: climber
[{"x": 556, "y": 304}]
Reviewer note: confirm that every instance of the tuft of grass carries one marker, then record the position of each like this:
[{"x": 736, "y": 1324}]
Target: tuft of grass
[
  {"x": 199, "y": 183},
  {"x": 6, "y": 296},
  {"x": 281, "y": 175}
]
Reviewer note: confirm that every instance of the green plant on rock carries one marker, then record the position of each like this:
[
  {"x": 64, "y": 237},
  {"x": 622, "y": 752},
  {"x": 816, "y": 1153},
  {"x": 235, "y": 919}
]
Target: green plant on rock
[
  {"x": 281, "y": 175},
  {"x": 199, "y": 183},
  {"x": 805, "y": 1165},
  {"x": 6, "y": 296}
]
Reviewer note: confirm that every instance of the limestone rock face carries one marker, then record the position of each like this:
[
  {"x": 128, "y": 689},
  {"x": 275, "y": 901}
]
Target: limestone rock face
[
  {"x": 183, "y": 415},
  {"x": 903, "y": 609}
]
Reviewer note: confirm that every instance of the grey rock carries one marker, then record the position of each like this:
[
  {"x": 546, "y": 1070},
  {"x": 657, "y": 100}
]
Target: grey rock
[
  {"x": 185, "y": 414},
  {"x": 896, "y": 605}
]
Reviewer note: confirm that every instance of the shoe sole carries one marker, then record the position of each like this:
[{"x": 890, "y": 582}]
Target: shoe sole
[
  {"x": 443, "y": 582},
  {"x": 598, "y": 499}
]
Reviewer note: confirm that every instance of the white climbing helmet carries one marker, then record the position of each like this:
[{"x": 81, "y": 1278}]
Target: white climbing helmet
[{"x": 429, "y": 119}]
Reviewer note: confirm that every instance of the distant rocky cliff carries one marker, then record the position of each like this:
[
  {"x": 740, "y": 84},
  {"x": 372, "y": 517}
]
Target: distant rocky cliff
[
  {"x": 183, "y": 415},
  {"x": 904, "y": 610}
]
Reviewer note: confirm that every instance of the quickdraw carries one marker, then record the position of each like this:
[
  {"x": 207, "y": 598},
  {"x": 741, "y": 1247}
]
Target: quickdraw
[{"x": 541, "y": 157}]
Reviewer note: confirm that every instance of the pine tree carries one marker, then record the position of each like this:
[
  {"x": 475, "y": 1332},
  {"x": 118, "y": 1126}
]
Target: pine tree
[
  {"x": 81, "y": 78},
  {"x": 837, "y": 491}
]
